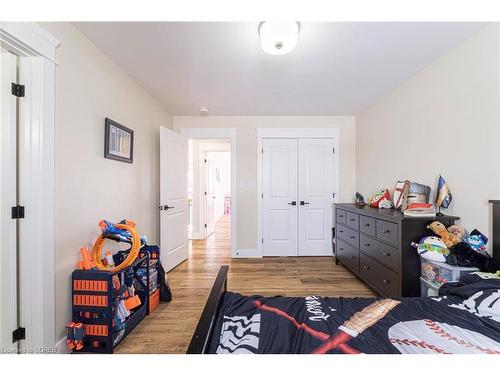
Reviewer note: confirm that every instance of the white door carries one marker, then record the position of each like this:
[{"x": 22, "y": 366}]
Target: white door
[
  {"x": 279, "y": 201},
  {"x": 173, "y": 198},
  {"x": 8, "y": 227},
  {"x": 209, "y": 196},
  {"x": 316, "y": 188}
]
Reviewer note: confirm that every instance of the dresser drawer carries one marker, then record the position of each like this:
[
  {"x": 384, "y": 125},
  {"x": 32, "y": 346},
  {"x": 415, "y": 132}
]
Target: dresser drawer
[
  {"x": 348, "y": 235},
  {"x": 385, "y": 254},
  {"x": 387, "y": 231},
  {"x": 367, "y": 225},
  {"x": 352, "y": 220},
  {"x": 382, "y": 278},
  {"x": 341, "y": 216},
  {"x": 348, "y": 255}
]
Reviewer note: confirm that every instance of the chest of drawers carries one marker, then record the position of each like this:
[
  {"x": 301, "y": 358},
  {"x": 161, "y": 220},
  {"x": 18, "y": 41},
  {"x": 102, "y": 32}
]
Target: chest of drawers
[{"x": 375, "y": 244}]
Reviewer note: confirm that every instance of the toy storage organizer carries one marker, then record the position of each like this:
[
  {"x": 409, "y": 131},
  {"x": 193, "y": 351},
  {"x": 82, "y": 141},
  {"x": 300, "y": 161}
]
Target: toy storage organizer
[{"x": 93, "y": 298}]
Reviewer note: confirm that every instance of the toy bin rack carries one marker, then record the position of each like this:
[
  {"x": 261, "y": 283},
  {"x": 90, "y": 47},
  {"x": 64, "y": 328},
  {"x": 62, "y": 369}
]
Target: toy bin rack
[{"x": 93, "y": 304}]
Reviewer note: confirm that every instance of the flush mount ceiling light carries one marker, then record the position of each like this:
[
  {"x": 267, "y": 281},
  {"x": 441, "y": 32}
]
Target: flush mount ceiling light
[{"x": 280, "y": 37}]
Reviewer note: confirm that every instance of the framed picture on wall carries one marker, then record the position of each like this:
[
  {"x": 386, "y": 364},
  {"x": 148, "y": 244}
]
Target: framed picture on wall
[{"x": 118, "y": 142}]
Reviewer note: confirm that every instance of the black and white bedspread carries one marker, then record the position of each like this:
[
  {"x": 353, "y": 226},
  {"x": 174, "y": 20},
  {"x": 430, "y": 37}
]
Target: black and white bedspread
[{"x": 465, "y": 318}]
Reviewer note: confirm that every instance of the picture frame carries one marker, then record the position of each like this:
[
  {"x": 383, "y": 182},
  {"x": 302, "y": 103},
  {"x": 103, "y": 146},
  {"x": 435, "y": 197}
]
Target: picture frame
[{"x": 118, "y": 142}]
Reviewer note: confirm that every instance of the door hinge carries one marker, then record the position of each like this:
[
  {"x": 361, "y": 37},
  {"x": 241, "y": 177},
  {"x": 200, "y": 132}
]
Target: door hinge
[
  {"x": 262, "y": 196},
  {"x": 262, "y": 240},
  {"x": 333, "y": 195},
  {"x": 205, "y": 160},
  {"x": 17, "y": 90},
  {"x": 333, "y": 151},
  {"x": 205, "y": 225},
  {"x": 205, "y": 193},
  {"x": 262, "y": 151},
  {"x": 18, "y": 212},
  {"x": 18, "y": 334}
]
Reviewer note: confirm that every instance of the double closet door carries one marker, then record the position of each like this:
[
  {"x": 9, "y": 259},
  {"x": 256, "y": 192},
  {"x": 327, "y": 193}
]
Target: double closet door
[{"x": 298, "y": 180}]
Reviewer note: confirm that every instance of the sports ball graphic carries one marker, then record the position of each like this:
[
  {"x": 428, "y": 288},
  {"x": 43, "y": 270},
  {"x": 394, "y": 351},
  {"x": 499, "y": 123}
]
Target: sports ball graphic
[{"x": 429, "y": 337}]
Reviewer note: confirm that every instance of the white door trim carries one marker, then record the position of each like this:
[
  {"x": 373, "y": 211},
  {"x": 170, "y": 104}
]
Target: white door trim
[
  {"x": 222, "y": 133},
  {"x": 36, "y": 47},
  {"x": 262, "y": 133}
]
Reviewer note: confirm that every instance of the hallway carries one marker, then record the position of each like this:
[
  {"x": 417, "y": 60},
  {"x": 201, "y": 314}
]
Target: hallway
[{"x": 170, "y": 327}]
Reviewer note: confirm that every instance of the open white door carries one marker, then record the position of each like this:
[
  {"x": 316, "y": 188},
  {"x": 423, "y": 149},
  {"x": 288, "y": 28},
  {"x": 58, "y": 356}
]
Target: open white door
[
  {"x": 173, "y": 198},
  {"x": 316, "y": 171},
  {"x": 8, "y": 230},
  {"x": 209, "y": 196}
]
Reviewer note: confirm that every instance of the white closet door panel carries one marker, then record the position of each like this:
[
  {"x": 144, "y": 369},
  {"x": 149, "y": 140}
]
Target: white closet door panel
[
  {"x": 279, "y": 191},
  {"x": 316, "y": 184}
]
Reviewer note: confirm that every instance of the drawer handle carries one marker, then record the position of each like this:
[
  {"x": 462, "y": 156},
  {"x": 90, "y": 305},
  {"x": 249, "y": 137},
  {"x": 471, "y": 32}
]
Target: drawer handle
[
  {"x": 341, "y": 215},
  {"x": 352, "y": 237},
  {"x": 387, "y": 231},
  {"x": 341, "y": 249},
  {"x": 366, "y": 267},
  {"x": 367, "y": 225},
  {"x": 366, "y": 244},
  {"x": 386, "y": 281},
  {"x": 351, "y": 219},
  {"x": 386, "y": 254},
  {"x": 341, "y": 231}
]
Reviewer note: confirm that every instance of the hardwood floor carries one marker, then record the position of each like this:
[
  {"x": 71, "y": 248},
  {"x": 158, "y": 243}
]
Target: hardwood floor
[{"x": 170, "y": 327}]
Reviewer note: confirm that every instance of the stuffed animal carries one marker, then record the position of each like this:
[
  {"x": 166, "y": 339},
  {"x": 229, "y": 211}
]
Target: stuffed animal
[
  {"x": 439, "y": 229},
  {"x": 385, "y": 203},
  {"x": 379, "y": 196},
  {"x": 432, "y": 248},
  {"x": 458, "y": 231}
]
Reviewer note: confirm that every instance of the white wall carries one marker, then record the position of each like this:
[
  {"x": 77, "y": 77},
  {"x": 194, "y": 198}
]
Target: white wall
[
  {"x": 246, "y": 154},
  {"x": 443, "y": 120},
  {"x": 222, "y": 187},
  {"x": 88, "y": 187}
]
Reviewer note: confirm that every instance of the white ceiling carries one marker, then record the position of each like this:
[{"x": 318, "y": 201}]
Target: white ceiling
[{"x": 336, "y": 69}]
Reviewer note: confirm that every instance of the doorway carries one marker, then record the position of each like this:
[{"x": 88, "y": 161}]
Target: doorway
[{"x": 209, "y": 188}]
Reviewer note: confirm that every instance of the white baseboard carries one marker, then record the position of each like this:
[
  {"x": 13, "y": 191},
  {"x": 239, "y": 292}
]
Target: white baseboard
[
  {"x": 196, "y": 236},
  {"x": 247, "y": 253},
  {"x": 62, "y": 347}
]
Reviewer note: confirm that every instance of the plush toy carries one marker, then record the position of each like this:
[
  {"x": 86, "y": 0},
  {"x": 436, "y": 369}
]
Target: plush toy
[
  {"x": 458, "y": 231},
  {"x": 377, "y": 198},
  {"x": 432, "y": 248},
  {"x": 385, "y": 203},
  {"x": 439, "y": 229}
]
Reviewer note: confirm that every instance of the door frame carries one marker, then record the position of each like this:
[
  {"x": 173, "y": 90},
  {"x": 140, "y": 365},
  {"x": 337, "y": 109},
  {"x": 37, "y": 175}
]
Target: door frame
[
  {"x": 295, "y": 133},
  {"x": 222, "y": 133},
  {"x": 36, "y": 48}
]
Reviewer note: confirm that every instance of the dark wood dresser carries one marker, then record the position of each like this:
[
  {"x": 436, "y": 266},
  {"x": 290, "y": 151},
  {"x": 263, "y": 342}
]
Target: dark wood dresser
[{"x": 374, "y": 244}]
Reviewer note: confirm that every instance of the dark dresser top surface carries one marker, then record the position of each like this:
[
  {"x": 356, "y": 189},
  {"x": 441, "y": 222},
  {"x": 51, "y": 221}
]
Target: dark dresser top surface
[{"x": 388, "y": 213}]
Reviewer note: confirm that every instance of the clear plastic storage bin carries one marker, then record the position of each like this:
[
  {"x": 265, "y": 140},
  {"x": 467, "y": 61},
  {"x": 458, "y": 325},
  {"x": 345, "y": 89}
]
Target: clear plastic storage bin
[
  {"x": 440, "y": 273},
  {"x": 428, "y": 289}
]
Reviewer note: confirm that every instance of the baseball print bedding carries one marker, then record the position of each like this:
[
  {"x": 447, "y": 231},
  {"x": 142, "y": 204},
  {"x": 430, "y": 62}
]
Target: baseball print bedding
[{"x": 465, "y": 318}]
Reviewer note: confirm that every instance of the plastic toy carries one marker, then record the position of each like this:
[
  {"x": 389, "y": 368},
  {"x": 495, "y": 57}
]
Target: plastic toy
[
  {"x": 110, "y": 263},
  {"x": 428, "y": 271},
  {"x": 86, "y": 263},
  {"x": 458, "y": 231},
  {"x": 439, "y": 229},
  {"x": 432, "y": 248},
  {"x": 75, "y": 333},
  {"x": 378, "y": 197},
  {"x": 121, "y": 232},
  {"x": 359, "y": 200},
  {"x": 417, "y": 193}
]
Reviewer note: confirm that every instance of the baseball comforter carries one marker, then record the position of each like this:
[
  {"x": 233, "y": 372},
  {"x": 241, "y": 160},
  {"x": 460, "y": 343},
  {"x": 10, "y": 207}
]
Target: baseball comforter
[{"x": 465, "y": 318}]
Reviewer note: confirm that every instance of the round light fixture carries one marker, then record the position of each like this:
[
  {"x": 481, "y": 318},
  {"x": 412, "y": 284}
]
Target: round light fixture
[{"x": 278, "y": 37}]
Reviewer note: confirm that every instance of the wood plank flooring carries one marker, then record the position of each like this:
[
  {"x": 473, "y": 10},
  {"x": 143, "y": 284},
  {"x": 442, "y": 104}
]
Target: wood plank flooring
[{"x": 170, "y": 327}]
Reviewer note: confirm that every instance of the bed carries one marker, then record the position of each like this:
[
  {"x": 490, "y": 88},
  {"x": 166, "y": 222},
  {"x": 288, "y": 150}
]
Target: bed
[{"x": 464, "y": 319}]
